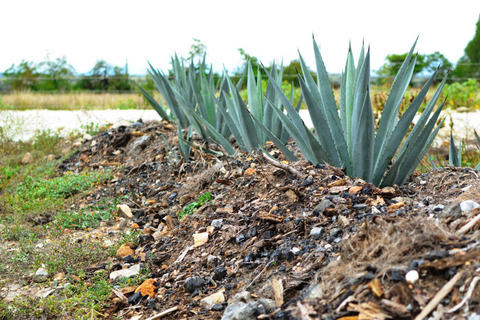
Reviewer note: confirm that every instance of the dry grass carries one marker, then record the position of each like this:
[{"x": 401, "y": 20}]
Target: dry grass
[{"x": 72, "y": 101}]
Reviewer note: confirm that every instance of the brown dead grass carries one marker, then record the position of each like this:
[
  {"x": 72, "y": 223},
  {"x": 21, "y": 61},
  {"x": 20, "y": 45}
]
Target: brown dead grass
[{"x": 73, "y": 101}]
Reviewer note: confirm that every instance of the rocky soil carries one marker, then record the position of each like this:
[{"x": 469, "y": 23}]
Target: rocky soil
[{"x": 280, "y": 240}]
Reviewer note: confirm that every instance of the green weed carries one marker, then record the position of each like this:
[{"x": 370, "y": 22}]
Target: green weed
[{"x": 192, "y": 207}]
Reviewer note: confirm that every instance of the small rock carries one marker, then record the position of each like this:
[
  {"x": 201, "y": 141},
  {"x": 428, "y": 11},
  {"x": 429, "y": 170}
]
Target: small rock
[
  {"x": 27, "y": 158},
  {"x": 438, "y": 207},
  {"x": 359, "y": 207},
  {"x": 59, "y": 276},
  {"x": 87, "y": 137},
  {"x": 240, "y": 238},
  {"x": 212, "y": 261},
  {"x": 344, "y": 221},
  {"x": 269, "y": 305},
  {"x": 151, "y": 304},
  {"x": 157, "y": 235},
  {"x": 335, "y": 232},
  {"x": 147, "y": 288},
  {"x": 125, "y": 250},
  {"x": 125, "y": 273},
  {"x": 313, "y": 292},
  {"x": 107, "y": 243},
  {"x": 199, "y": 239},
  {"x": 137, "y": 146},
  {"x": 406, "y": 200},
  {"x": 324, "y": 204},
  {"x": 135, "y": 298},
  {"x": 219, "y": 273},
  {"x": 251, "y": 232},
  {"x": 128, "y": 259},
  {"x": 468, "y": 205},
  {"x": 193, "y": 283},
  {"x": 249, "y": 172},
  {"x": 243, "y": 311},
  {"x": 412, "y": 276},
  {"x": 216, "y": 298},
  {"x": 474, "y": 316},
  {"x": 125, "y": 210},
  {"x": 354, "y": 189},
  {"x": 316, "y": 232},
  {"x": 217, "y": 224},
  {"x": 217, "y": 307},
  {"x": 41, "y": 275}
]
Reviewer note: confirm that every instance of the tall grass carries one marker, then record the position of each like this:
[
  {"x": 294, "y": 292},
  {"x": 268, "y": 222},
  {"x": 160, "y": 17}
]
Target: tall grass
[{"x": 72, "y": 101}]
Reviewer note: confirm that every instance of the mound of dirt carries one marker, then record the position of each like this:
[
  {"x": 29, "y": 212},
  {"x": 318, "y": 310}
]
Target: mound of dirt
[{"x": 284, "y": 240}]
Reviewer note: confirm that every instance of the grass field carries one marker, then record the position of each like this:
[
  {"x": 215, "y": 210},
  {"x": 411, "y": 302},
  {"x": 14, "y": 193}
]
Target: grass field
[{"x": 71, "y": 101}]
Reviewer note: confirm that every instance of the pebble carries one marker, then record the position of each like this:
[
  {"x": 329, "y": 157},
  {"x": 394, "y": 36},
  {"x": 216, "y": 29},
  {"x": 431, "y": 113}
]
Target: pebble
[
  {"x": 474, "y": 316},
  {"x": 41, "y": 275},
  {"x": 193, "y": 283},
  {"x": 27, "y": 158},
  {"x": 335, "y": 232},
  {"x": 438, "y": 207},
  {"x": 360, "y": 206},
  {"x": 125, "y": 210},
  {"x": 316, "y": 232},
  {"x": 125, "y": 273},
  {"x": 412, "y": 276},
  {"x": 468, "y": 205},
  {"x": 214, "y": 299},
  {"x": 244, "y": 308},
  {"x": 406, "y": 200},
  {"x": 219, "y": 273},
  {"x": 240, "y": 238},
  {"x": 138, "y": 145},
  {"x": 324, "y": 204},
  {"x": 135, "y": 298},
  {"x": 217, "y": 223},
  {"x": 213, "y": 261}
]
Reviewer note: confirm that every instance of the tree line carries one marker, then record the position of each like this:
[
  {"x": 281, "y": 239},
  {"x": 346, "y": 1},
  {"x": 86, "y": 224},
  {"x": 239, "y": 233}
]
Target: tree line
[{"x": 59, "y": 76}]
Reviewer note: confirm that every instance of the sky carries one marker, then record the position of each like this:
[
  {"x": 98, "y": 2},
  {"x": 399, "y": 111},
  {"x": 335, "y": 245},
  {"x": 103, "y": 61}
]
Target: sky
[{"x": 146, "y": 30}]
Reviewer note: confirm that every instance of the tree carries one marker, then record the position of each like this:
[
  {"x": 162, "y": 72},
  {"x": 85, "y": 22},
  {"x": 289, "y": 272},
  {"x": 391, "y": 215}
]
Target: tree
[
  {"x": 22, "y": 77},
  {"x": 197, "y": 50},
  {"x": 56, "y": 72},
  {"x": 105, "y": 77},
  {"x": 425, "y": 66},
  {"x": 469, "y": 65}
]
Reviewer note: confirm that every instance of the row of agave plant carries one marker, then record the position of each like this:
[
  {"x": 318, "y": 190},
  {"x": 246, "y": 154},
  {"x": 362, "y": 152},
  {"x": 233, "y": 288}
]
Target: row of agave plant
[{"x": 344, "y": 135}]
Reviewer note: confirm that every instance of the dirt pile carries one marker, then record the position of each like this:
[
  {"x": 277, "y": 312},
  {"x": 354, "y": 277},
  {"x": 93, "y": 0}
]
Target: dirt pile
[{"x": 274, "y": 240}]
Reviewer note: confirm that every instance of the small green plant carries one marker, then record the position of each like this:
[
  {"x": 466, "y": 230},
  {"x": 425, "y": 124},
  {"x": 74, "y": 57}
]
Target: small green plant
[
  {"x": 85, "y": 218},
  {"x": 463, "y": 94},
  {"x": 193, "y": 207},
  {"x": 127, "y": 105},
  {"x": 90, "y": 128},
  {"x": 455, "y": 157}
]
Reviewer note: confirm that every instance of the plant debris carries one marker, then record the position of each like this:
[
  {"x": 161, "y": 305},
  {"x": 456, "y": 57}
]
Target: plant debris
[{"x": 281, "y": 240}]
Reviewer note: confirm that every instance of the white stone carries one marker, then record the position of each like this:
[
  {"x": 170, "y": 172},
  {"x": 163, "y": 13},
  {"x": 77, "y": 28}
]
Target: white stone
[
  {"x": 125, "y": 210},
  {"x": 468, "y": 205},
  {"x": 412, "y": 276},
  {"x": 125, "y": 273}
]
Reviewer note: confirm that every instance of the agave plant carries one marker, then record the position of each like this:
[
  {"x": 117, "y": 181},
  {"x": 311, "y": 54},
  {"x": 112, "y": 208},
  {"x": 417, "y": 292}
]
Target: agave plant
[
  {"x": 345, "y": 135},
  {"x": 454, "y": 157}
]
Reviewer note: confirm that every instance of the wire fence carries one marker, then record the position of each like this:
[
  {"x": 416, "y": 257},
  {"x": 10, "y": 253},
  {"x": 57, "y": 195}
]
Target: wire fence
[{"x": 142, "y": 80}]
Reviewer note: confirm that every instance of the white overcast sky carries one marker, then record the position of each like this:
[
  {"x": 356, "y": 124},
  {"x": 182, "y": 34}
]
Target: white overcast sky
[{"x": 116, "y": 31}]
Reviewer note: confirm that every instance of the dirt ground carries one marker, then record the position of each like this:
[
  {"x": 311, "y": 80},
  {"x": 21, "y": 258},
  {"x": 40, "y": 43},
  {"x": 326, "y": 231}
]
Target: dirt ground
[{"x": 284, "y": 241}]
